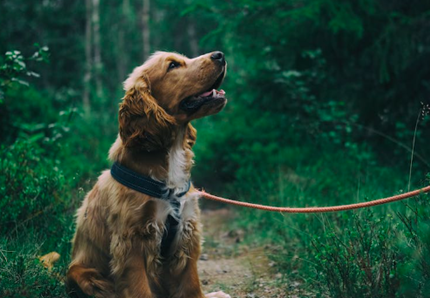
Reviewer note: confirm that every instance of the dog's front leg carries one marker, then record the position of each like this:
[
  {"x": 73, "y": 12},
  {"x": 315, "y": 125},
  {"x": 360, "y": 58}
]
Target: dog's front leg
[
  {"x": 184, "y": 278},
  {"x": 129, "y": 269},
  {"x": 186, "y": 283},
  {"x": 133, "y": 282}
]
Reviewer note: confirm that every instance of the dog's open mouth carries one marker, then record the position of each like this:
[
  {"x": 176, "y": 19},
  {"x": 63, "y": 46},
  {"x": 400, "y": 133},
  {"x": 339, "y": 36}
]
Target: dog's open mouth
[{"x": 212, "y": 96}]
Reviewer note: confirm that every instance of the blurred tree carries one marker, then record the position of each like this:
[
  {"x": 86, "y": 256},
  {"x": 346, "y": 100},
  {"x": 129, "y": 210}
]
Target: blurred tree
[
  {"x": 122, "y": 32},
  {"x": 145, "y": 29},
  {"x": 98, "y": 65},
  {"x": 88, "y": 56}
]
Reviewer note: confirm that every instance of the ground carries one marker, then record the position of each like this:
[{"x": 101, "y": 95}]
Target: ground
[{"x": 229, "y": 265}]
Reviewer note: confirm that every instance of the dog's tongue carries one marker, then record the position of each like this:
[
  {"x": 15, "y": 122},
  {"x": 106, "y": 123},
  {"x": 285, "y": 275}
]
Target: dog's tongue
[
  {"x": 206, "y": 94},
  {"x": 213, "y": 92}
]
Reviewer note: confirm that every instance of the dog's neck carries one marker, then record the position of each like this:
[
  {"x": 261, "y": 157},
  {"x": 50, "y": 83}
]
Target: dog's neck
[{"x": 170, "y": 165}]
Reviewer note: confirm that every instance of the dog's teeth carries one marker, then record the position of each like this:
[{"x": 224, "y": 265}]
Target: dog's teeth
[{"x": 213, "y": 92}]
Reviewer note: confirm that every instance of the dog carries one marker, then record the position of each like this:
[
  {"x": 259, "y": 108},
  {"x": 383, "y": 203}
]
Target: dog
[{"x": 138, "y": 230}]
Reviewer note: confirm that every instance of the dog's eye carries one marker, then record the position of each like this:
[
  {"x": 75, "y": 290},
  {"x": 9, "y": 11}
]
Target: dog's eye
[{"x": 173, "y": 65}]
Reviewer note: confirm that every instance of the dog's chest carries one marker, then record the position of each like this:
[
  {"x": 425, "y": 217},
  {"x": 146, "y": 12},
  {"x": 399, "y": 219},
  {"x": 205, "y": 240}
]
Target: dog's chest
[{"x": 177, "y": 220}]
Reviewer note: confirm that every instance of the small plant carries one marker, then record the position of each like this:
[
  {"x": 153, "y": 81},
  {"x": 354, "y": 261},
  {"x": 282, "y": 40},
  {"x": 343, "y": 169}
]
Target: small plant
[
  {"x": 414, "y": 246},
  {"x": 361, "y": 260},
  {"x": 13, "y": 67}
]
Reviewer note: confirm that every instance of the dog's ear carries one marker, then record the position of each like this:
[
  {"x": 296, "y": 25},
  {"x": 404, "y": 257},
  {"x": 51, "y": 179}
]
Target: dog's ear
[{"x": 143, "y": 123}]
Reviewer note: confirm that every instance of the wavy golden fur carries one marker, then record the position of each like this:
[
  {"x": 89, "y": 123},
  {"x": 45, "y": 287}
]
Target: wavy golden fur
[{"x": 116, "y": 247}]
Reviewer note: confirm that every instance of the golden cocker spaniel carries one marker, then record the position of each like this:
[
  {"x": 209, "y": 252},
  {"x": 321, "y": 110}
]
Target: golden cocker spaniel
[{"x": 138, "y": 232}]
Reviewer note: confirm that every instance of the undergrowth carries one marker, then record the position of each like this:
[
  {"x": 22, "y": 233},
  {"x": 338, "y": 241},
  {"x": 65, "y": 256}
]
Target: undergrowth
[
  {"x": 49, "y": 159},
  {"x": 378, "y": 252}
]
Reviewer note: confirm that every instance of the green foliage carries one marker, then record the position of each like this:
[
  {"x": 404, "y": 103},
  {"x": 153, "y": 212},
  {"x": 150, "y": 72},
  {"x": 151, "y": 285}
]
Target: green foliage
[
  {"x": 34, "y": 193},
  {"x": 327, "y": 68},
  {"x": 13, "y": 66},
  {"x": 32, "y": 186}
]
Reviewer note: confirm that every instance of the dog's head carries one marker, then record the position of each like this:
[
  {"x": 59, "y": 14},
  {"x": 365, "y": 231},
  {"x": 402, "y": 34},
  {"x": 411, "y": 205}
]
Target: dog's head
[{"x": 166, "y": 91}]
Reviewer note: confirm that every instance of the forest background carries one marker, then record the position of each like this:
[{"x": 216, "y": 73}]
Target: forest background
[{"x": 328, "y": 104}]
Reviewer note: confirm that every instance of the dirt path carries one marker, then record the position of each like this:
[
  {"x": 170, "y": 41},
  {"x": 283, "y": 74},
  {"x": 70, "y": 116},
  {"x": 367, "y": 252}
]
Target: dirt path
[{"x": 228, "y": 265}]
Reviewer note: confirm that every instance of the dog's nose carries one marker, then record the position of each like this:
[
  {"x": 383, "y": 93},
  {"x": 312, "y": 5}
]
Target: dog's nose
[{"x": 218, "y": 56}]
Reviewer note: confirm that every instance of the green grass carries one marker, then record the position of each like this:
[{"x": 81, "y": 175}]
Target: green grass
[
  {"x": 22, "y": 274},
  {"x": 376, "y": 252}
]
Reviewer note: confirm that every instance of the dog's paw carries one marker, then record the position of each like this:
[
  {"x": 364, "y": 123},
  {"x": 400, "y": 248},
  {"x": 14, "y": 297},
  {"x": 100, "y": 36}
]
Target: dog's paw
[
  {"x": 98, "y": 287},
  {"x": 219, "y": 294}
]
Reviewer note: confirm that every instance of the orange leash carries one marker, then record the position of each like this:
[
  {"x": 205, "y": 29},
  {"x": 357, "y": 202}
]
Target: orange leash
[{"x": 318, "y": 209}]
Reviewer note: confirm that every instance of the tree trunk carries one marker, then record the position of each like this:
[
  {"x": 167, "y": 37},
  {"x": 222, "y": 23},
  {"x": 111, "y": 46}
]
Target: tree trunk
[
  {"x": 194, "y": 45},
  {"x": 97, "y": 48},
  {"x": 88, "y": 56},
  {"x": 145, "y": 29},
  {"x": 122, "y": 56}
]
